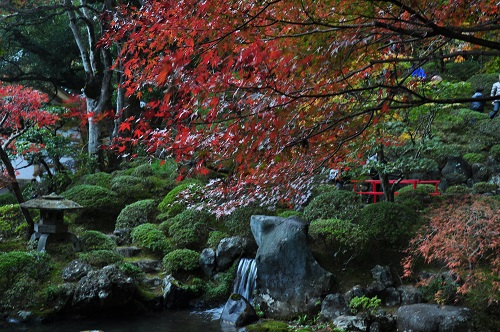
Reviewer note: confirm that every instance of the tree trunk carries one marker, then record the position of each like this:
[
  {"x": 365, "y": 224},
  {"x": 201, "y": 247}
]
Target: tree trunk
[
  {"x": 387, "y": 188},
  {"x": 16, "y": 191}
]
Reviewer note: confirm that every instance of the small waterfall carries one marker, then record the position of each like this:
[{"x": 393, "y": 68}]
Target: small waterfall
[{"x": 246, "y": 276}]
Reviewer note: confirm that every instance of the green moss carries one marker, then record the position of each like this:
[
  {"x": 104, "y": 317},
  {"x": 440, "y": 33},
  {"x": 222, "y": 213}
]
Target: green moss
[
  {"x": 495, "y": 151},
  {"x": 181, "y": 260},
  {"x": 338, "y": 204},
  {"x": 95, "y": 240},
  {"x": 217, "y": 291},
  {"x": 140, "y": 212},
  {"x": 458, "y": 190},
  {"x": 290, "y": 213},
  {"x": 131, "y": 188},
  {"x": 142, "y": 171},
  {"x": 100, "y": 258},
  {"x": 190, "y": 229},
  {"x": 269, "y": 326},
  {"x": 336, "y": 233},
  {"x": 151, "y": 238}
]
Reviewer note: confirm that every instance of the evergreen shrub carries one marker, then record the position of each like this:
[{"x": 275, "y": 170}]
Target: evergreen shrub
[
  {"x": 95, "y": 240},
  {"x": 12, "y": 222},
  {"x": 181, "y": 260},
  {"x": 388, "y": 224},
  {"x": 461, "y": 71},
  {"x": 336, "y": 204},
  {"x": 457, "y": 190},
  {"x": 336, "y": 233},
  {"x": 483, "y": 187},
  {"x": 416, "y": 199},
  {"x": 137, "y": 213},
  {"x": 238, "y": 222},
  {"x": 474, "y": 158},
  {"x": 290, "y": 213},
  {"x": 100, "y": 258},
  {"x": 143, "y": 171},
  {"x": 190, "y": 229},
  {"x": 131, "y": 188},
  {"x": 148, "y": 236},
  {"x": 495, "y": 151},
  {"x": 101, "y": 179},
  {"x": 190, "y": 185},
  {"x": 16, "y": 264},
  {"x": 7, "y": 198}
]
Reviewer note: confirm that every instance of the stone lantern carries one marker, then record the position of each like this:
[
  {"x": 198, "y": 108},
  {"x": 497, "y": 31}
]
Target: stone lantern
[{"x": 51, "y": 222}]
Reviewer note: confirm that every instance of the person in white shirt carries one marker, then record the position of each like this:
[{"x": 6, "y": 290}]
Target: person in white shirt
[{"x": 495, "y": 92}]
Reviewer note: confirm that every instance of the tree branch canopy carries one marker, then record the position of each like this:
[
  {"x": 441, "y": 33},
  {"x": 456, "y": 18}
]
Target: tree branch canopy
[{"x": 275, "y": 87}]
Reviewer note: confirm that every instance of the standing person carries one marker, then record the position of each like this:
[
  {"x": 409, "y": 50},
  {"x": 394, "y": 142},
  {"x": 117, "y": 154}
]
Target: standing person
[
  {"x": 495, "y": 92},
  {"x": 478, "y": 105}
]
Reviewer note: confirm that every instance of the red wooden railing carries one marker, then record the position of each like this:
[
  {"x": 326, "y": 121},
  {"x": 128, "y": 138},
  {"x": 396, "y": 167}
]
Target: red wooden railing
[{"x": 375, "y": 193}]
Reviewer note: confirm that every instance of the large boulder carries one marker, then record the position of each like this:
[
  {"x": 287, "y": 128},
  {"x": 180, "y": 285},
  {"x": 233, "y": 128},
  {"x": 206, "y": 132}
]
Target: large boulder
[
  {"x": 424, "y": 317},
  {"x": 231, "y": 248},
  {"x": 104, "y": 291},
  {"x": 456, "y": 171},
  {"x": 238, "y": 312},
  {"x": 289, "y": 280}
]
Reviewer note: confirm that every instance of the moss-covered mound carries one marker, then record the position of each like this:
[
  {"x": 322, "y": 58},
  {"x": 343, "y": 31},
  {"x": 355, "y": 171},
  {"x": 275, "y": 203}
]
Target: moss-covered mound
[{"x": 135, "y": 214}]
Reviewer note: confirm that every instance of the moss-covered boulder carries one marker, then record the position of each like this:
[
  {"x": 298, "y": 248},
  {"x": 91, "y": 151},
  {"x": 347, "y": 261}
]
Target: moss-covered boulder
[
  {"x": 95, "y": 240},
  {"x": 151, "y": 238},
  {"x": 180, "y": 262}
]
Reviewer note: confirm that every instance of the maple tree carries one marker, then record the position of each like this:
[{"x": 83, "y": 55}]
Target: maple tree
[
  {"x": 464, "y": 236},
  {"x": 21, "y": 109},
  {"x": 269, "y": 93}
]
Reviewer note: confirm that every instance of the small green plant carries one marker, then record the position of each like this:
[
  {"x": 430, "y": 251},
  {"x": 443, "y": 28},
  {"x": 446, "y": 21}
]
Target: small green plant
[{"x": 363, "y": 304}]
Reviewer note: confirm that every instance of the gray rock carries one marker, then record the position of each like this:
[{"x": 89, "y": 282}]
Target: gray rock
[
  {"x": 383, "y": 275},
  {"x": 409, "y": 295},
  {"x": 148, "y": 265},
  {"x": 425, "y": 317},
  {"x": 392, "y": 297},
  {"x": 106, "y": 290},
  {"x": 333, "y": 306},
  {"x": 355, "y": 291},
  {"x": 229, "y": 249},
  {"x": 238, "y": 312},
  {"x": 76, "y": 270},
  {"x": 174, "y": 295},
  {"x": 456, "y": 171},
  {"x": 289, "y": 280},
  {"x": 129, "y": 251},
  {"x": 350, "y": 323},
  {"x": 207, "y": 261}
]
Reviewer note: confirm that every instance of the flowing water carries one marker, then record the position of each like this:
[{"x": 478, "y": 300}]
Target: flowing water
[{"x": 246, "y": 278}]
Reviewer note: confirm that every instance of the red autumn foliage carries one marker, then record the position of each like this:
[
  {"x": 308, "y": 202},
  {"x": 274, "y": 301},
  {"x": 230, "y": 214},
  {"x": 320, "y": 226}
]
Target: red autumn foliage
[
  {"x": 464, "y": 236},
  {"x": 269, "y": 93}
]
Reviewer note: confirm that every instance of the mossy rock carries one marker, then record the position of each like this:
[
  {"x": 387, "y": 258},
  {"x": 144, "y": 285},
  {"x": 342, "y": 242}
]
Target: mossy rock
[
  {"x": 95, "y": 240},
  {"x": 190, "y": 229},
  {"x": 335, "y": 204},
  {"x": 269, "y": 326},
  {"x": 214, "y": 238},
  {"x": 149, "y": 237},
  {"x": 474, "y": 158},
  {"x": 137, "y": 213}
]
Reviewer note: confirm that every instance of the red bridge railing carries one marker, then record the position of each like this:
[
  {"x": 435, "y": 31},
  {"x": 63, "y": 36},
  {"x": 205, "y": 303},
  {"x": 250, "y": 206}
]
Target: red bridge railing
[{"x": 375, "y": 192}]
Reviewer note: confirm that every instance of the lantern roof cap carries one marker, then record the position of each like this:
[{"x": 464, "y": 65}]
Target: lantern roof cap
[{"x": 51, "y": 202}]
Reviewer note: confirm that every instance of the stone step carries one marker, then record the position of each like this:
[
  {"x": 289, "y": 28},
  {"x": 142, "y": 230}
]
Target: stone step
[{"x": 128, "y": 251}]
